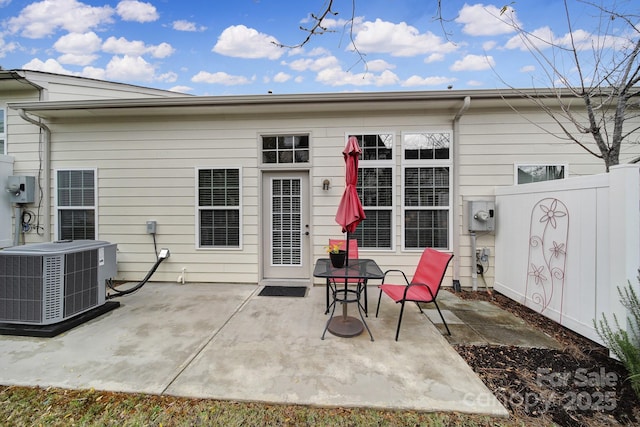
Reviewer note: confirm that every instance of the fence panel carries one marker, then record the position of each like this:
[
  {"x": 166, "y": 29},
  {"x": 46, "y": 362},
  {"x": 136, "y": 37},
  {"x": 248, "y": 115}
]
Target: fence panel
[{"x": 563, "y": 247}]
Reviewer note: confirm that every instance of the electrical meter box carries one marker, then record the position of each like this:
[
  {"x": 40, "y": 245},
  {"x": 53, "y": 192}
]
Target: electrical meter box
[
  {"x": 482, "y": 216},
  {"x": 22, "y": 189}
]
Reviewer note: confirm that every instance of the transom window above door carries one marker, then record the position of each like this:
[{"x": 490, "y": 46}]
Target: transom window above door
[{"x": 285, "y": 149}]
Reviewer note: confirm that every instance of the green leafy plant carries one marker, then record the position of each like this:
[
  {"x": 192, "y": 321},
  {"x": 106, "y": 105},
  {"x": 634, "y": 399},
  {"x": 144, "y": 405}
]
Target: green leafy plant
[{"x": 625, "y": 343}]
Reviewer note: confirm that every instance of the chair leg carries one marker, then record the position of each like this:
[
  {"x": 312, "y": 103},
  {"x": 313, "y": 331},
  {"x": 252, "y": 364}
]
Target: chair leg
[
  {"x": 399, "y": 320},
  {"x": 378, "y": 308},
  {"x": 442, "y": 317}
]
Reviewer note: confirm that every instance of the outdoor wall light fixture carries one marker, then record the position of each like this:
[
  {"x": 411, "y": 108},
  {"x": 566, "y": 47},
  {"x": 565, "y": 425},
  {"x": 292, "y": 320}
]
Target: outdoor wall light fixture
[{"x": 325, "y": 184}]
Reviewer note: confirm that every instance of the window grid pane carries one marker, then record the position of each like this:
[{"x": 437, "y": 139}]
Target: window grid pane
[
  {"x": 285, "y": 149},
  {"x": 427, "y": 146},
  {"x": 219, "y": 200},
  {"x": 76, "y": 224},
  {"x": 76, "y": 193},
  {"x": 376, "y": 147},
  {"x": 426, "y": 229},
  {"x": 375, "y": 190}
]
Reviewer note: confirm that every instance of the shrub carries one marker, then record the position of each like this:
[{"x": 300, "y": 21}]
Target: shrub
[{"x": 625, "y": 343}]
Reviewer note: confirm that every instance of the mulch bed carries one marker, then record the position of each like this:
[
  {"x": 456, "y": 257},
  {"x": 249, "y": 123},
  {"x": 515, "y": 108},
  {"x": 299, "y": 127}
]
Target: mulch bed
[{"x": 578, "y": 385}]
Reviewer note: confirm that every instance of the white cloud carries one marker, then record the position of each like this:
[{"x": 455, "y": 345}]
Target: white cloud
[
  {"x": 428, "y": 81},
  {"x": 379, "y": 65},
  {"x": 78, "y": 44},
  {"x": 434, "y": 57},
  {"x": 281, "y": 77},
  {"x": 49, "y": 66},
  {"x": 481, "y": 20},
  {"x": 338, "y": 77},
  {"x": 398, "y": 40},
  {"x": 137, "y": 11},
  {"x": 122, "y": 46},
  {"x": 474, "y": 63},
  {"x": 220, "y": 78},
  {"x": 6, "y": 47},
  {"x": 182, "y": 25},
  {"x": 168, "y": 77},
  {"x": 181, "y": 89},
  {"x": 75, "y": 59},
  {"x": 43, "y": 18},
  {"x": 475, "y": 83},
  {"x": 93, "y": 73},
  {"x": 242, "y": 42},
  {"x": 129, "y": 68},
  {"x": 313, "y": 64},
  {"x": 162, "y": 50},
  {"x": 489, "y": 45},
  {"x": 527, "y": 69},
  {"x": 541, "y": 38}
]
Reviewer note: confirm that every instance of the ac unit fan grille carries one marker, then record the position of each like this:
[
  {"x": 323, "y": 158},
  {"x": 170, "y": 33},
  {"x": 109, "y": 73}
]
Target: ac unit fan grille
[{"x": 21, "y": 297}]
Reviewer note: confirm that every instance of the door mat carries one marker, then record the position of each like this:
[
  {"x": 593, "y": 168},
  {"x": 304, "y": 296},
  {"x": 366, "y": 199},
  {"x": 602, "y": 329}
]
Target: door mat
[{"x": 283, "y": 291}]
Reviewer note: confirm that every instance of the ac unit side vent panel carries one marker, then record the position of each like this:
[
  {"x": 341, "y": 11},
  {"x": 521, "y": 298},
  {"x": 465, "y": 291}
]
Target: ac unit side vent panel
[{"x": 52, "y": 285}]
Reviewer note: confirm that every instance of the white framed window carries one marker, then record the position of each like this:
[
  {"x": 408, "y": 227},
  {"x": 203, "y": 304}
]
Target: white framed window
[
  {"x": 375, "y": 189},
  {"x": 219, "y": 217},
  {"x": 3, "y": 130},
  {"x": 285, "y": 149},
  {"x": 76, "y": 210},
  {"x": 426, "y": 190},
  {"x": 527, "y": 173}
]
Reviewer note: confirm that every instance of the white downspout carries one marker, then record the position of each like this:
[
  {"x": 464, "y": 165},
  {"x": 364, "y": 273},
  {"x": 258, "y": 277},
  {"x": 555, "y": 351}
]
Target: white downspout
[
  {"x": 46, "y": 172},
  {"x": 456, "y": 192}
]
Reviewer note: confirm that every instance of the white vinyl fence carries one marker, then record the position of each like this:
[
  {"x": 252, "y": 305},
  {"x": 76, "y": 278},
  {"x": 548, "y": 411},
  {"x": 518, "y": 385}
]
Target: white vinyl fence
[{"x": 564, "y": 247}]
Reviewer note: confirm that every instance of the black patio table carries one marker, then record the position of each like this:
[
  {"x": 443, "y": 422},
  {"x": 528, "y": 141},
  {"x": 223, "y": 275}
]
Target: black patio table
[{"x": 362, "y": 269}]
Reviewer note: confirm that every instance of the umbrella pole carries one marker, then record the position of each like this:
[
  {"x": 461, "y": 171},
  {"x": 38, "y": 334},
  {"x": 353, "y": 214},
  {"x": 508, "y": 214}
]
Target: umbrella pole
[{"x": 346, "y": 263}]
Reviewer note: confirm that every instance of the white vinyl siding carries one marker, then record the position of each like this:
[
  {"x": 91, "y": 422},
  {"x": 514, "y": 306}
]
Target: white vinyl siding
[
  {"x": 426, "y": 190},
  {"x": 219, "y": 208},
  {"x": 76, "y": 204},
  {"x": 3, "y": 131}
]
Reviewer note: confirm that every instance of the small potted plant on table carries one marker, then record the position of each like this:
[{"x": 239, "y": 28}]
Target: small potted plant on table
[{"x": 336, "y": 255}]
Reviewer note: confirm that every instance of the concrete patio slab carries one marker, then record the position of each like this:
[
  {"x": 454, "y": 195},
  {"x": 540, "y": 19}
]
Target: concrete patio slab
[{"x": 226, "y": 342}]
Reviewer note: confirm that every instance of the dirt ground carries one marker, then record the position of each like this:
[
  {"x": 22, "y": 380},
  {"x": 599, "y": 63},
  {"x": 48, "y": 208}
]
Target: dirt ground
[{"x": 576, "y": 386}]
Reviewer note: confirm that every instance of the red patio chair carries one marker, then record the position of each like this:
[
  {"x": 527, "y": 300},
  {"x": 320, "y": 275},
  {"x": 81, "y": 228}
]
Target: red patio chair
[
  {"x": 362, "y": 285},
  {"x": 423, "y": 287}
]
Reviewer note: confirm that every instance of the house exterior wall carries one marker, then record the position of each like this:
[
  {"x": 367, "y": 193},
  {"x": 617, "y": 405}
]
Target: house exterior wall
[{"x": 146, "y": 170}]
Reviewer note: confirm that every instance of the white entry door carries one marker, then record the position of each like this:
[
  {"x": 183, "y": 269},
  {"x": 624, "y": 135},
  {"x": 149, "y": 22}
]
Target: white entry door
[{"x": 285, "y": 213}]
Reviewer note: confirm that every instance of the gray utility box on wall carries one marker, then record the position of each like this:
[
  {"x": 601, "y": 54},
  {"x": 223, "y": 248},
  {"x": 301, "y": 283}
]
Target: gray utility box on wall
[
  {"x": 482, "y": 216},
  {"x": 22, "y": 189},
  {"x": 47, "y": 283}
]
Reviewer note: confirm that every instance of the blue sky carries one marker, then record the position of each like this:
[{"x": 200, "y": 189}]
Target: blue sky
[{"x": 213, "y": 47}]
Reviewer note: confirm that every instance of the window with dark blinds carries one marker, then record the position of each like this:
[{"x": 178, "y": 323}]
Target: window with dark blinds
[
  {"x": 219, "y": 208},
  {"x": 76, "y": 204}
]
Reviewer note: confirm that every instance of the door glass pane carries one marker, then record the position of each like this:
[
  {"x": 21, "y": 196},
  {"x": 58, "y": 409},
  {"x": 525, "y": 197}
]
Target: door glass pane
[{"x": 286, "y": 219}]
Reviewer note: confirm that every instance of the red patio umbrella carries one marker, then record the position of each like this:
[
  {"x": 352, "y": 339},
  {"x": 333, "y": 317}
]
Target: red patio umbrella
[{"x": 350, "y": 211}]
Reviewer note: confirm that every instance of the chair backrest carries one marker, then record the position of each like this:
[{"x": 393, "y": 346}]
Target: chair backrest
[
  {"x": 431, "y": 269},
  {"x": 353, "y": 246}
]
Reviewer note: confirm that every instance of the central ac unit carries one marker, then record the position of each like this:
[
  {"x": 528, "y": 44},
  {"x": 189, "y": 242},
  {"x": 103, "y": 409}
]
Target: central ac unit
[{"x": 47, "y": 283}]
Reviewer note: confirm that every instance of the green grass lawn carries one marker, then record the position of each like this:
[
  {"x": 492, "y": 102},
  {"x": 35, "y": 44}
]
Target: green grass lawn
[{"x": 24, "y": 406}]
